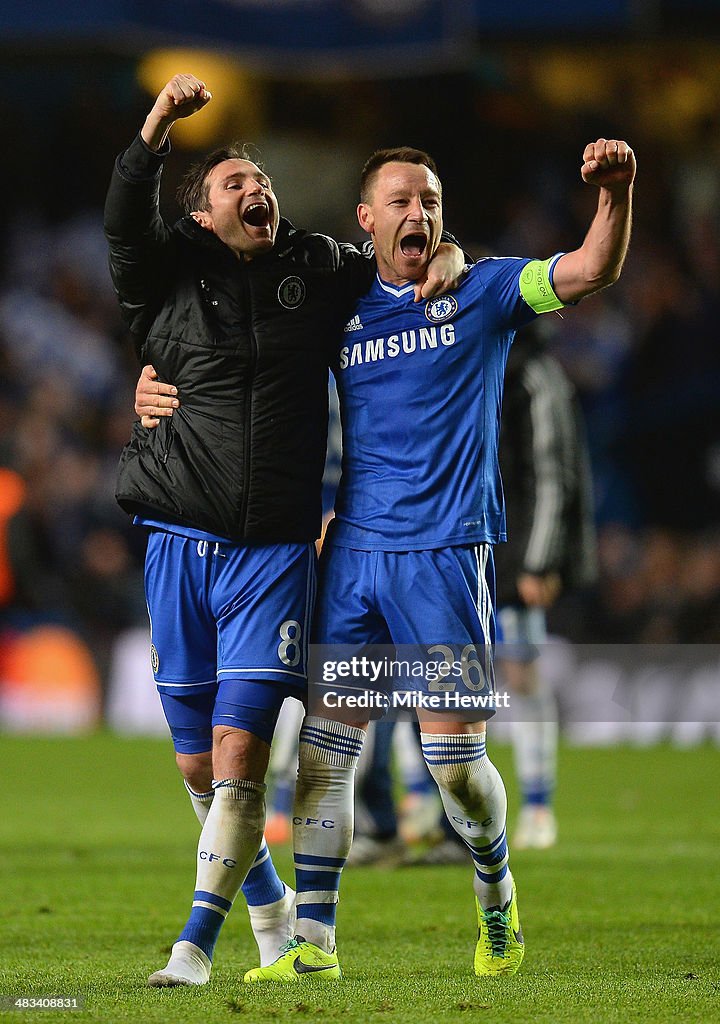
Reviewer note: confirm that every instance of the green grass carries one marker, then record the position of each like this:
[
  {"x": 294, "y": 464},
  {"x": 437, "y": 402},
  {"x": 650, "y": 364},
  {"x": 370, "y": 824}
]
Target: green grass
[{"x": 621, "y": 920}]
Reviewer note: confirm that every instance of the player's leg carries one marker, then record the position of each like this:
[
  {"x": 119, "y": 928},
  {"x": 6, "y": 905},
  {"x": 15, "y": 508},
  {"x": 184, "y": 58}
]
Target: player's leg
[
  {"x": 183, "y": 655},
  {"x": 377, "y": 839},
  {"x": 473, "y": 795},
  {"x": 457, "y": 622},
  {"x": 263, "y": 633},
  {"x": 270, "y": 902},
  {"x": 323, "y": 814},
  {"x": 209, "y": 579},
  {"x": 534, "y": 724},
  {"x": 282, "y": 773},
  {"x": 228, "y": 845},
  {"x": 323, "y": 821},
  {"x": 232, "y": 834}
]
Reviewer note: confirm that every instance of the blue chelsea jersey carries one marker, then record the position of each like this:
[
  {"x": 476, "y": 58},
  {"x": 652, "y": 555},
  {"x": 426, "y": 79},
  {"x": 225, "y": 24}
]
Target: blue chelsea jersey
[{"x": 420, "y": 387}]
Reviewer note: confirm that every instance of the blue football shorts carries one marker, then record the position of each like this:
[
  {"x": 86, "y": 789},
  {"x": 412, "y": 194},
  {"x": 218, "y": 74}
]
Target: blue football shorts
[
  {"x": 230, "y": 630},
  {"x": 436, "y": 605}
]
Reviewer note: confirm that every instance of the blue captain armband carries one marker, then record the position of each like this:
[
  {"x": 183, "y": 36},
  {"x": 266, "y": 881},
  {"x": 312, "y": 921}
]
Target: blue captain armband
[{"x": 536, "y": 285}]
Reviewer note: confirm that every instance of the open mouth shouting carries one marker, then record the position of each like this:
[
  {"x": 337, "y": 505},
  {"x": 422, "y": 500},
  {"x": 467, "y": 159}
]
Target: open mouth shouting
[
  {"x": 257, "y": 215},
  {"x": 413, "y": 245}
]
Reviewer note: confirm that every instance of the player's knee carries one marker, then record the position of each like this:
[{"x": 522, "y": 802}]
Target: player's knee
[
  {"x": 196, "y": 769},
  {"x": 454, "y": 760},
  {"x": 238, "y": 754}
]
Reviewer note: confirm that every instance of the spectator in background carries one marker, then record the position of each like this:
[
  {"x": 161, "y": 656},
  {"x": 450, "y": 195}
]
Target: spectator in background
[
  {"x": 551, "y": 547},
  {"x": 60, "y": 367}
]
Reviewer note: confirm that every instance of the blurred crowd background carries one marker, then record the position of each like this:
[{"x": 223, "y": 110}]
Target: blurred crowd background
[{"x": 506, "y": 109}]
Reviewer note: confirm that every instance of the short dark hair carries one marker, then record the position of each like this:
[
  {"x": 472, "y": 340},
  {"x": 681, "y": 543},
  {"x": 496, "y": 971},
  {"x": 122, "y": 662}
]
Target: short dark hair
[
  {"x": 400, "y": 154},
  {"x": 193, "y": 191}
]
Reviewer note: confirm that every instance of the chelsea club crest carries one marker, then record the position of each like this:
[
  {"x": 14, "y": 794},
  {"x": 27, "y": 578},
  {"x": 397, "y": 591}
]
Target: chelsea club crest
[
  {"x": 291, "y": 292},
  {"x": 441, "y": 308}
]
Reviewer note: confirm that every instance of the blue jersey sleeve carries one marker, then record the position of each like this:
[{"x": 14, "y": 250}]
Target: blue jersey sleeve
[{"x": 506, "y": 299}]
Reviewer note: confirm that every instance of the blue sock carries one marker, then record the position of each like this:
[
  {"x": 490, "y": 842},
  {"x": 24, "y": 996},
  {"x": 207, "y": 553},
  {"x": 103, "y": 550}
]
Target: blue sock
[
  {"x": 537, "y": 792},
  {"x": 324, "y": 913},
  {"x": 263, "y": 884},
  {"x": 283, "y": 797},
  {"x": 204, "y": 924}
]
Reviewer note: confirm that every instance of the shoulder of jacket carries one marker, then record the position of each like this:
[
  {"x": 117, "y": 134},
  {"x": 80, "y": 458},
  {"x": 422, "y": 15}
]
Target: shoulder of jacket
[{"x": 311, "y": 249}]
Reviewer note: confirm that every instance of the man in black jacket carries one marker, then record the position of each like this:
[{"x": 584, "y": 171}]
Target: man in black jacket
[
  {"x": 551, "y": 548},
  {"x": 241, "y": 312}
]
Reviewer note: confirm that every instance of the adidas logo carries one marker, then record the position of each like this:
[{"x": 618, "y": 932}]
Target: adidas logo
[{"x": 354, "y": 324}]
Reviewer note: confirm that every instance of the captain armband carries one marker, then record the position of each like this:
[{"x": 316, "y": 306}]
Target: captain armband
[{"x": 536, "y": 287}]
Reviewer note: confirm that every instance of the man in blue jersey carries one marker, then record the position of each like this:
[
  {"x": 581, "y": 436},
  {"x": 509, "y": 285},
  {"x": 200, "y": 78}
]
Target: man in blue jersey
[{"x": 408, "y": 559}]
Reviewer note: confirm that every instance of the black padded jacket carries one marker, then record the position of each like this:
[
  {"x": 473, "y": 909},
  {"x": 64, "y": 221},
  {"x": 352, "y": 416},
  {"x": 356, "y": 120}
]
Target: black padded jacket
[
  {"x": 248, "y": 345},
  {"x": 546, "y": 475}
]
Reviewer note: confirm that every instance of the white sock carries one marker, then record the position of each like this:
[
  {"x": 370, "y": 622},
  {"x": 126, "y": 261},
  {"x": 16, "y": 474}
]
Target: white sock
[
  {"x": 473, "y": 795},
  {"x": 201, "y": 802},
  {"x": 323, "y": 817},
  {"x": 229, "y": 842},
  {"x": 188, "y": 965},
  {"x": 535, "y": 741},
  {"x": 273, "y": 924}
]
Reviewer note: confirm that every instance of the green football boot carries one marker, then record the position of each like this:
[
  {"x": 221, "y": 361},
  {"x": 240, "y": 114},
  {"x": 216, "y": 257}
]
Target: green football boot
[
  {"x": 500, "y": 947},
  {"x": 299, "y": 961}
]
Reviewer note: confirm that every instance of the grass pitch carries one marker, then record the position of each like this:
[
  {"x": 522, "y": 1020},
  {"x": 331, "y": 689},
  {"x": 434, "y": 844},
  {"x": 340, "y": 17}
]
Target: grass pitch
[{"x": 621, "y": 919}]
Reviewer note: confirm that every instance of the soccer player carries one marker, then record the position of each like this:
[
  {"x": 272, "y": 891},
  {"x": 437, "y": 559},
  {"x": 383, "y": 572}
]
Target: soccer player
[
  {"x": 242, "y": 311},
  {"x": 408, "y": 557},
  {"x": 551, "y": 546}
]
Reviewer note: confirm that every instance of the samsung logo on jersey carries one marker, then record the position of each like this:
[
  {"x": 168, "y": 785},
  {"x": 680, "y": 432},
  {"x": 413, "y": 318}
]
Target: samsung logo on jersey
[{"x": 374, "y": 349}]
